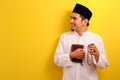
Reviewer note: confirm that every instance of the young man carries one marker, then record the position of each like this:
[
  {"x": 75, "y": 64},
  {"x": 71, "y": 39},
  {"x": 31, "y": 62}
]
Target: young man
[{"x": 80, "y": 51}]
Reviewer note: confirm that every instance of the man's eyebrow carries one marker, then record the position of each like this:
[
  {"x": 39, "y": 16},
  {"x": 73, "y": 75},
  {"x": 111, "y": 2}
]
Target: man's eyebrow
[{"x": 72, "y": 16}]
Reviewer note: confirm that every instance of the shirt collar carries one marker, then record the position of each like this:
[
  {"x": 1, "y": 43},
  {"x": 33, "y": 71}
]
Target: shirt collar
[{"x": 84, "y": 33}]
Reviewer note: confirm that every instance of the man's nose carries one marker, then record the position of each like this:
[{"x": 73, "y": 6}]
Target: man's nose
[{"x": 71, "y": 21}]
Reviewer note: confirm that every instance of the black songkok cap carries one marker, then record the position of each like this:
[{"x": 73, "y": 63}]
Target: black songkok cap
[{"x": 82, "y": 10}]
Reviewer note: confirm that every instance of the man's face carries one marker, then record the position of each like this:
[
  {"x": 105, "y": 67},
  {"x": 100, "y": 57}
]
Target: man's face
[{"x": 76, "y": 21}]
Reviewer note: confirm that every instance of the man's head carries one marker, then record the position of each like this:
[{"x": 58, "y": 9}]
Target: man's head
[
  {"x": 80, "y": 16},
  {"x": 82, "y": 10}
]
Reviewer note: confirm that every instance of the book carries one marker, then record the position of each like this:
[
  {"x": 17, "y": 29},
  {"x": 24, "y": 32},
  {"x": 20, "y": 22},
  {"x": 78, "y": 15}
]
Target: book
[{"x": 74, "y": 47}]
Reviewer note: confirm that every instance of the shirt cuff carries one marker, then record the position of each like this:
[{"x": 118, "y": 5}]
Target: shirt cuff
[{"x": 67, "y": 60}]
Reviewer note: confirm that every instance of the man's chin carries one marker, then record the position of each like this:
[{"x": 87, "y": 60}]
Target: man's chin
[{"x": 72, "y": 29}]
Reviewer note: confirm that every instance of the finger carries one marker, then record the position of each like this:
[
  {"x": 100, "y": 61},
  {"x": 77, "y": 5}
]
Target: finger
[
  {"x": 80, "y": 50},
  {"x": 90, "y": 45}
]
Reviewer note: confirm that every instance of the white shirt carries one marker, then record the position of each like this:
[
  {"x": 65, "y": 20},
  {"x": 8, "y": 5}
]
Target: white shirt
[{"x": 76, "y": 71}]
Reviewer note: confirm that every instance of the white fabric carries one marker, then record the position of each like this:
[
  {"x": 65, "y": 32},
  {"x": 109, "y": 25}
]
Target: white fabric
[{"x": 73, "y": 70}]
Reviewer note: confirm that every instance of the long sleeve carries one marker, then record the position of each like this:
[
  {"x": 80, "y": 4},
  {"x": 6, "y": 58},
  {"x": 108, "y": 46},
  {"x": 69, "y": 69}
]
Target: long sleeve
[
  {"x": 102, "y": 62},
  {"x": 61, "y": 58}
]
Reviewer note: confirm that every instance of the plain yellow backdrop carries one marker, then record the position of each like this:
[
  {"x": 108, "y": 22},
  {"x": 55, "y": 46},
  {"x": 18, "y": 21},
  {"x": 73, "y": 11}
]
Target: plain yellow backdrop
[{"x": 30, "y": 30}]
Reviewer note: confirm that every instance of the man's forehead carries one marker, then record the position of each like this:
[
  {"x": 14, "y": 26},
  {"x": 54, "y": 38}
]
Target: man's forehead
[{"x": 75, "y": 15}]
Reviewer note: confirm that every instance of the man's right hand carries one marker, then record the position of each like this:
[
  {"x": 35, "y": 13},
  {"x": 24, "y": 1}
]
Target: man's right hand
[{"x": 78, "y": 54}]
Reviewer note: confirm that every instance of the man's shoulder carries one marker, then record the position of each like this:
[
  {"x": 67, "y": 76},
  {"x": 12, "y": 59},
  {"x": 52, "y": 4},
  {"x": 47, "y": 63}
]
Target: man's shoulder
[
  {"x": 95, "y": 35},
  {"x": 67, "y": 33}
]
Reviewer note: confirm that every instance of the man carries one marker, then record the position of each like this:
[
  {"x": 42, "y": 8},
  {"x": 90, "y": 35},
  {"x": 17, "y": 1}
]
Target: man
[{"x": 80, "y": 63}]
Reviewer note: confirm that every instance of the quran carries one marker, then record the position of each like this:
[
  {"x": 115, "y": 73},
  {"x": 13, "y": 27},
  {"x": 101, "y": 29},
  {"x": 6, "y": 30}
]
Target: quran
[{"x": 74, "y": 47}]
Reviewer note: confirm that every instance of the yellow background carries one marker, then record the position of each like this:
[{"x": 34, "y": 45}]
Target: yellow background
[{"x": 30, "y": 29}]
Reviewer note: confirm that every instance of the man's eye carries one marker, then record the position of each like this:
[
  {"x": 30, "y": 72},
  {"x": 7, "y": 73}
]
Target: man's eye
[{"x": 74, "y": 18}]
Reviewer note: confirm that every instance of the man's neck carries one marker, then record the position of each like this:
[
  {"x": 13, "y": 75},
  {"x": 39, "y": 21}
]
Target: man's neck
[{"x": 80, "y": 32}]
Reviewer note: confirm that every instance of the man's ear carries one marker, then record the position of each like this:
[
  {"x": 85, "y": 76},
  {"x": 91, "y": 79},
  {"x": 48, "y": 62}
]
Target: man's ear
[{"x": 85, "y": 21}]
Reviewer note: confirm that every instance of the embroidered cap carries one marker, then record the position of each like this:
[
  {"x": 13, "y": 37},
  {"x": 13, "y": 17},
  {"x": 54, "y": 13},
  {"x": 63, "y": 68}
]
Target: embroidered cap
[{"x": 82, "y": 10}]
